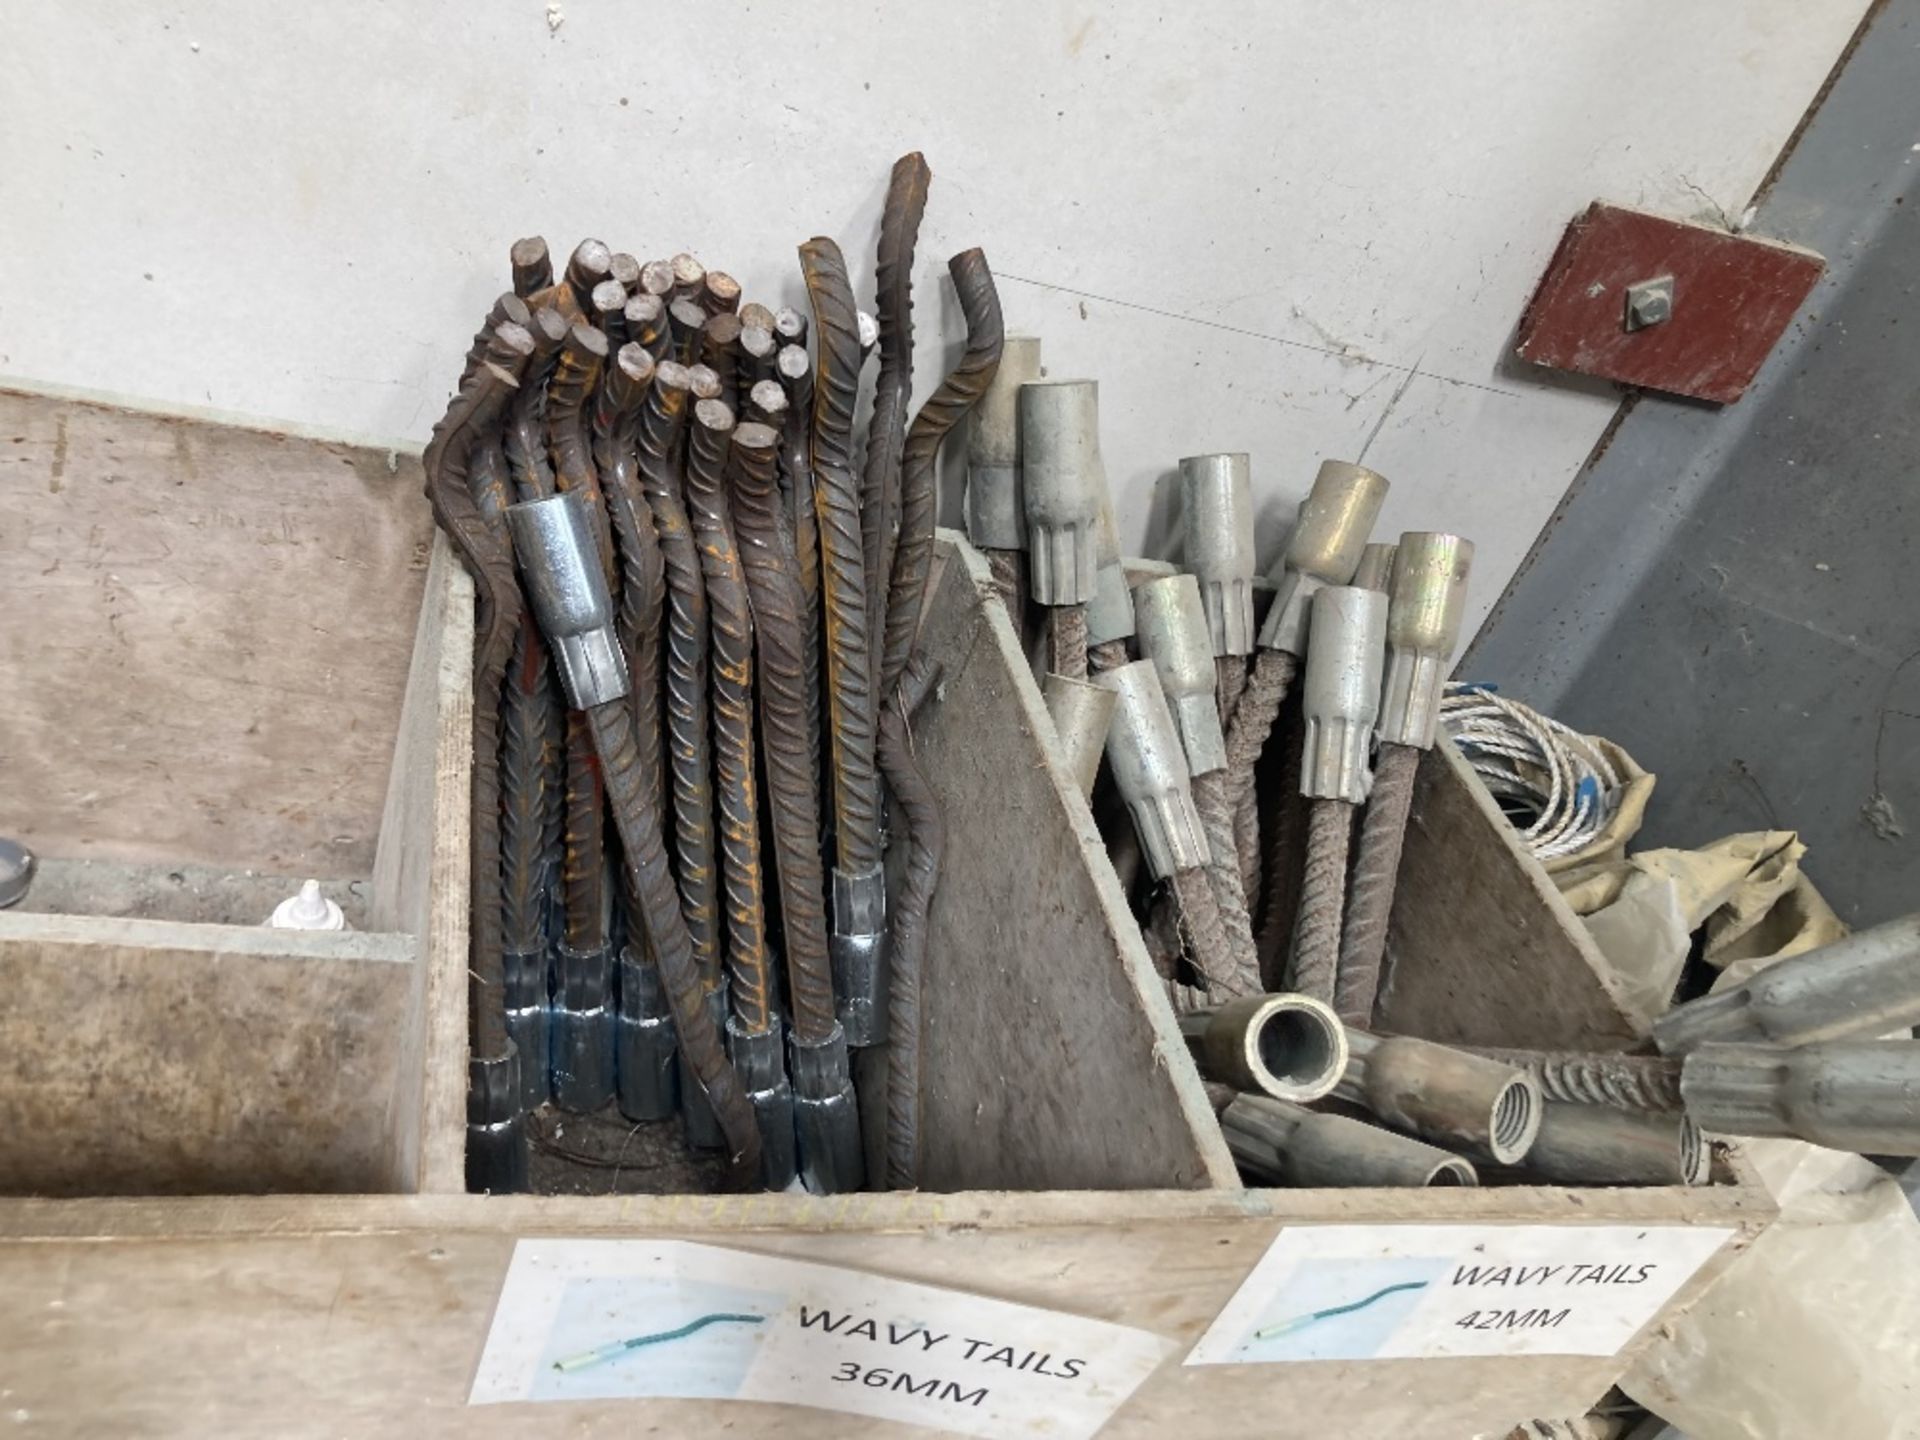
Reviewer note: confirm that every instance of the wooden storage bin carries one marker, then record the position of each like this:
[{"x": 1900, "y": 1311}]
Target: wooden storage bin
[{"x": 1058, "y": 1091}]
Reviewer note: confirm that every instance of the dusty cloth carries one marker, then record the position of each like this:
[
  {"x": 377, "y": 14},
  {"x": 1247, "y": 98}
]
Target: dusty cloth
[{"x": 1746, "y": 892}]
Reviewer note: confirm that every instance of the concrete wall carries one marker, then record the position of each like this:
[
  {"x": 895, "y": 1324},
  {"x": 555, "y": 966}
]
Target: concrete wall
[{"x": 1287, "y": 228}]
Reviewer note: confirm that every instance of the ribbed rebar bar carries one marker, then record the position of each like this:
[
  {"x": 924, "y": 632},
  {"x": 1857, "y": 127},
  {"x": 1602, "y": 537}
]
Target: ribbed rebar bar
[
  {"x": 796, "y": 475},
  {"x": 793, "y": 784},
  {"x": 1223, "y": 873},
  {"x": 919, "y": 480},
  {"x": 900, "y": 217},
  {"x": 626, "y": 269},
  {"x": 689, "y": 277},
  {"x": 508, "y": 309},
  {"x": 488, "y": 556},
  {"x": 1107, "y": 655},
  {"x": 569, "y": 396},
  {"x": 1625, "y": 1082},
  {"x": 1323, "y": 893},
  {"x": 526, "y": 430},
  {"x": 637, "y": 818},
  {"x": 737, "y": 794},
  {"x": 720, "y": 293},
  {"x": 720, "y": 351},
  {"x": 926, "y": 846},
  {"x": 584, "y": 867},
  {"x": 608, "y": 308},
  {"x": 1067, "y": 641},
  {"x": 590, "y": 263},
  {"x": 843, "y": 583},
  {"x": 1253, "y": 717},
  {"x": 647, "y": 325},
  {"x": 1284, "y": 850},
  {"x": 1383, "y": 831},
  {"x": 532, "y": 266},
  {"x": 1006, "y": 568},
  {"x": 1206, "y": 933},
  {"x": 1231, "y": 679},
  {"x": 686, "y": 689}
]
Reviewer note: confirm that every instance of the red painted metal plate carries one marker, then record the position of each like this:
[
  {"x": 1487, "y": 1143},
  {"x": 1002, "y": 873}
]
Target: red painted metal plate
[{"x": 1733, "y": 297}]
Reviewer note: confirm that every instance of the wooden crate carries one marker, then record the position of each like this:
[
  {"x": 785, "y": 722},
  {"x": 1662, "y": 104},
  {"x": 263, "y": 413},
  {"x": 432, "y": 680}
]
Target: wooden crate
[{"x": 1061, "y": 1107}]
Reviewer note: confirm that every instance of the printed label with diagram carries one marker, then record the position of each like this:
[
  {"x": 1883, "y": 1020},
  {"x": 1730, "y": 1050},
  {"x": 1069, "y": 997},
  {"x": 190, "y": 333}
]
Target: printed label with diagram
[
  {"x": 1362, "y": 1292},
  {"x": 604, "y": 1319}
]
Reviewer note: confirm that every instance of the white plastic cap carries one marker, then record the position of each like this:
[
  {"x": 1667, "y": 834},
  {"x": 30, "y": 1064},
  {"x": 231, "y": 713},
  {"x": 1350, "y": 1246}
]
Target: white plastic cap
[{"x": 309, "y": 910}]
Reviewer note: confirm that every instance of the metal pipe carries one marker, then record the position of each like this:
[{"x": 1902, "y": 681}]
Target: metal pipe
[
  {"x": 900, "y": 217},
  {"x": 1859, "y": 1095},
  {"x": 1291, "y": 1047},
  {"x": 1866, "y": 984},
  {"x": 1601, "y": 1145},
  {"x": 553, "y": 540},
  {"x": 1082, "y": 713},
  {"x": 919, "y": 489},
  {"x": 496, "y": 1141},
  {"x": 859, "y": 885},
  {"x": 1448, "y": 1096},
  {"x": 1427, "y": 592},
  {"x": 824, "y": 1109},
  {"x": 926, "y": 846},
  {"x": 1342, "y": 699},
  {"x": 1290, "y": 1145}
]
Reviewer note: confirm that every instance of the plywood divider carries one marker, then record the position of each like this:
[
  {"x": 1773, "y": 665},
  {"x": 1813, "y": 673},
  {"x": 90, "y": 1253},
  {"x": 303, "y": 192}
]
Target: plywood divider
[{"x": 421, "y": 885}]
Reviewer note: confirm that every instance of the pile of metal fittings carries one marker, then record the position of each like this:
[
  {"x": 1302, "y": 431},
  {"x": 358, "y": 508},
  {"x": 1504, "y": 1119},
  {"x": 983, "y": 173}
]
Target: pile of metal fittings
[{"x": 694, "y": 675}]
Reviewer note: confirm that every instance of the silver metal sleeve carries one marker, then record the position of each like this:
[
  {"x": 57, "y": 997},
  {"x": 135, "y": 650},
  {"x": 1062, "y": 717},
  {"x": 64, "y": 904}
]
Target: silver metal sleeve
[
  {"x": 1173, "y": 635},
  {"x": 1329, "y": 536},
  {"x": 1427, "y": 598},
  {"x": 1444, "y": 1095},
  {"x": 1065, "y": 480},
  {"x": 1292, "y": 1047},
  {"x": 996, "y": 495},
  {"x": 1866, "y": 984},
  {"x": 1859, "y": 1095},
  {"x": 1082, "y": 715},
  {"x": 1341, "y": 697},
  {"x": 1216, "y": 506},
  {"x": 1110, "y": 612},
  {"x": 1602, "y": 1145},
  {"x": 560, "y": 564},
  {"x": 1150, "y": 770}
]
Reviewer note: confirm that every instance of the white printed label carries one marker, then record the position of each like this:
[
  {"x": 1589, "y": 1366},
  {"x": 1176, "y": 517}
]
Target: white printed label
[
  {"x": 1364, "y": 1292},
  {"x": 600, "y": 1319}
]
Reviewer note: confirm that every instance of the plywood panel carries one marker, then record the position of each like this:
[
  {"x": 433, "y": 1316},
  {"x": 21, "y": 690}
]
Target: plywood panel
[
  {"x": 206, "y": 632},
  {"x": 367, "y": 1317},
  {"x": 1481, "y": 949},
  {"x": 1052, "y": 1056},
  {"x": 151, "y": 1057}
]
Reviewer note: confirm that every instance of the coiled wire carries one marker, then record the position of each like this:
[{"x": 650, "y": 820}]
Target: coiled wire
[{"x": 1556, "y": 785}]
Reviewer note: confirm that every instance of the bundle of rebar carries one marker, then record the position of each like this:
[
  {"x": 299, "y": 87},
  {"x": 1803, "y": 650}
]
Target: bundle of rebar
[{"x": 696, "y": 673}]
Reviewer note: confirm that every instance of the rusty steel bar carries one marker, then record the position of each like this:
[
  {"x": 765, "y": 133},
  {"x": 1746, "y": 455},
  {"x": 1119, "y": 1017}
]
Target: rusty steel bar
[
  {"x": 900, "y": 217},
  {"x": 508, "y": 309},
  {"x": 792, "y": 784},
  {"x": 686, "y": 687},
  {"x": 1285, "y": 842},
  {"x": 608, "y": 308},
  {"x": 568, "y": 443},
  {"x": 686, "y": 320},
  {"x": 944, "y": 409},
  {"x": 926, "y": 846},
  {"x": 590, "y": 263},
  {"x": 689, "y": 277},
  {"x": 1383, "y": 828},
  {"x": 1067, "y": 641},
  {"x": 532, "y": 266},
  {"x": 530, "y": 782},
  {"x": 755, "y": 316},
  {"x": 526, "y": 429},
  {"x": 825, "y": 1111},
  {"x": 736, "y": 794},
  {"x": 720, "y": 352},
  {"x": 646, "y": 322},
  {"x": 656, "y": 279},
  {"x": 759, "y": 349},
  {"x": 496, "y": 1150},
  {"x": 790, "y": 325},
  {"x": 796, "y": 477},
  {"x": 720, "y": 293},
  {"x": 767, "y": 403},
  {"x": 625, "y": 268}
]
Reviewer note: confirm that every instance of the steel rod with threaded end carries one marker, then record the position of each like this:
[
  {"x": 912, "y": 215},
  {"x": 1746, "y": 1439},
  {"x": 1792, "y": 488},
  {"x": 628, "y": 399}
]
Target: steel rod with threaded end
[
  {"x": 793, "y": 790},
  {"x": 738, "y": 795},
  {"x": 688, "y": 629},
  {"x": 1383, "y": 829},
  {"x": 1340, "y": 701},
  {"x": 945, "y": 408},
  {"x": 1425, "y": 582},
  {"x": 554, "y": 543},
  {"x": 496, "y": 1149},
  {"x": 900, "y": 217},
  {"x": 1445, "y": 1095},
  {"x": 1626, "y": 1082},
  {"x": 926, "y": 846},
  {"x": 843, "y": 572}
]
